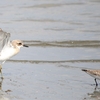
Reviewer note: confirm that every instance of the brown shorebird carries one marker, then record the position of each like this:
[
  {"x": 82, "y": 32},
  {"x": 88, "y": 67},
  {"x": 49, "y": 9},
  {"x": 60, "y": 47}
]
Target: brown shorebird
[{"x": 94, "y": 73}]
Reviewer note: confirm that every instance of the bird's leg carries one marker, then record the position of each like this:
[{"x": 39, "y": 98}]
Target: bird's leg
[
  {"x": 1, "y": 81},
  {"x": 96, "y": 82},
  {"x": 1, "y": 72}
]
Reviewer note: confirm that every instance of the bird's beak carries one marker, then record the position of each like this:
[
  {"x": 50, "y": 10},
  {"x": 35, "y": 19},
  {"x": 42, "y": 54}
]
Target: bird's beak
[{"x": 25, "y": 45}]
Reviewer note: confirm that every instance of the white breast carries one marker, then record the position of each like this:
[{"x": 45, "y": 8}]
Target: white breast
[
  {"x": 7, "y": 53},
  {"x": 95, "y": 76}
]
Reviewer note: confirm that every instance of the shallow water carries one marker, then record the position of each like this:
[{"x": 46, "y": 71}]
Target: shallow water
[{"x": 64, "y": 37}]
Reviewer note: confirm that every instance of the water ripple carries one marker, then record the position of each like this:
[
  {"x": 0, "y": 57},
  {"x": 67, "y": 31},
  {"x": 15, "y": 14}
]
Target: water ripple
[
  {"x": 52, "y": 5},
  {"x": 63, "y": 43},
  {"x": 63, "y": 61}
]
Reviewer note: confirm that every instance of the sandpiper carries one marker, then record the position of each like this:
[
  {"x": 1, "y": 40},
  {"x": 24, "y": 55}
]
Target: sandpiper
[
  {"x": 8, "y": 48},
  {"x": 94, "y": 73}
]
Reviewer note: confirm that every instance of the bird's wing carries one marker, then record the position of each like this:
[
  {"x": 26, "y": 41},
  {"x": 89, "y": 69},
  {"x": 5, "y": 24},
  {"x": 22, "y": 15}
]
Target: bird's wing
[{"x": 4, "y": 39}]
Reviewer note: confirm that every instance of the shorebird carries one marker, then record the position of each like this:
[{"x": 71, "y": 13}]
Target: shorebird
[
  {"x": 8, "y": 48},
  {"x": 94, "y": 73}
]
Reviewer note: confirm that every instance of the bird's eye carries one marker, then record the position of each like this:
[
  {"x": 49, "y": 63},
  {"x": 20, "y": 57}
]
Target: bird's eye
[{"x": 19, "y": 43}]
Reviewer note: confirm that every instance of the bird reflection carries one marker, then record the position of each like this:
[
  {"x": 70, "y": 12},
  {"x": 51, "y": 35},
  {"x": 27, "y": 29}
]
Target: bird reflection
[
  {"x": 95, "y": 94},
  {"x": 3, "y": 94}
]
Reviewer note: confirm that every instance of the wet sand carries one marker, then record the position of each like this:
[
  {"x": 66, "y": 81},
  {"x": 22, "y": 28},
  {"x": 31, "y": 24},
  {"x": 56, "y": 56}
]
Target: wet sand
[{"x": 64, "y": 37}]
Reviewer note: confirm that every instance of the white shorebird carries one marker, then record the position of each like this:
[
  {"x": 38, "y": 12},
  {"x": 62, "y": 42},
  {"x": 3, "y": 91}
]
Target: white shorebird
[
  {"x": 94, "y": 73},
  {"x": 8, "y": 48}
]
